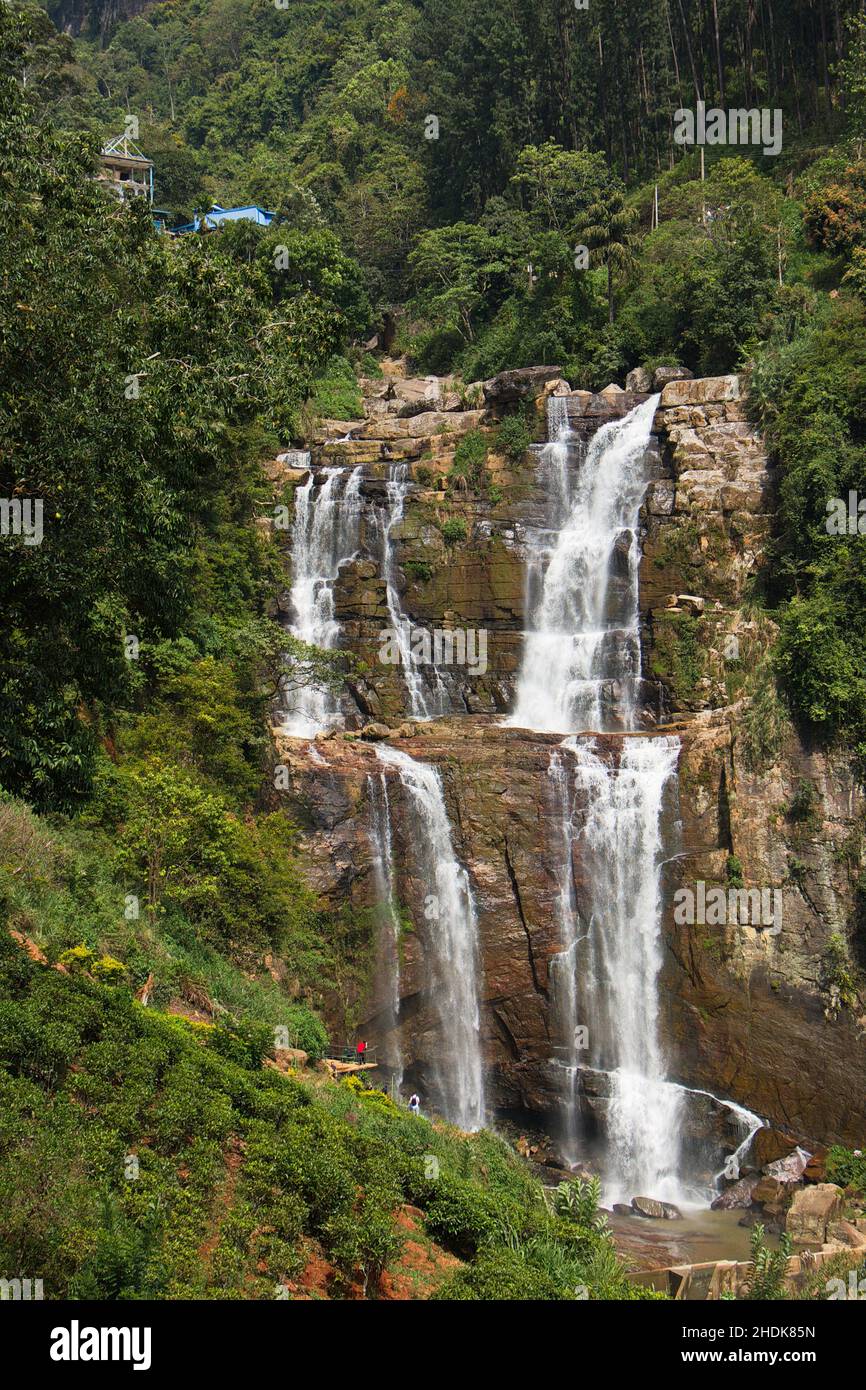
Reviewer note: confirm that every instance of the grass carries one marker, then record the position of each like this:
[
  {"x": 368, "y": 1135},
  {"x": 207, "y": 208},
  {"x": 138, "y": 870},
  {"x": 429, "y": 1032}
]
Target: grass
[{"x": 336, "y": 395}]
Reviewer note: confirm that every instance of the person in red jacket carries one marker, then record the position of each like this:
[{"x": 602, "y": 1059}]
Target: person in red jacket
[{"x": 360, "y": 1051}]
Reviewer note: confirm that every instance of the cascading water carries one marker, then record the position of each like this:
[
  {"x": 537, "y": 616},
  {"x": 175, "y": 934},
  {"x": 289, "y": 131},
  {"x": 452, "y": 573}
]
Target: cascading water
[
  {"x": 387, "y": 981},
  {"x": 424, "y": 703},
  {"x": 450, "y": 942},
  {"x": 581, "y": 662},
  {"x": 581, "y": 672},
  {"x": 564, "y": 965},
  {"x": 326, "y": 532},
  {"x": 619, "y": 957}
]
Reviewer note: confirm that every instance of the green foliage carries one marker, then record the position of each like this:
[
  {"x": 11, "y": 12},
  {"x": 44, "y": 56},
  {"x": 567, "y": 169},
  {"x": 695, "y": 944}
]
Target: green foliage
[
  {"x": 838, "y": 977},
  {"x": 810, "y": 395},
  {"x": 734, "y": 872},
  {"x": 470, "y": 459},
  {"x": 140, "y": 375},
  {"x": 767, "y": 1281},
  {"x": 336, "y": 395},
  {"x": 419, "y": 570},
  {"x": 678, "y": 654},
  {"x": 500, "y": 1275},
  {"x": 803, "y": 805},
  {"x": 846, "y": 1167},
  {"x": 459, "y": 1214},
  {"x": 513, "y": 437},
  {"x": 125, "y": 1262},
  {"x": 762, "y": 721},
  {"x": 835, "y": 216},
  {"x": 453, "y": 529}
]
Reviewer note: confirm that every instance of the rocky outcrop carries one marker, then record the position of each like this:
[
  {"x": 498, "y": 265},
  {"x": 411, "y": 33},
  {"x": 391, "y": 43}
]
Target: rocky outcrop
[
  {"x": 813, "y": 1211},
  {"x": 748, "y": 1013}
]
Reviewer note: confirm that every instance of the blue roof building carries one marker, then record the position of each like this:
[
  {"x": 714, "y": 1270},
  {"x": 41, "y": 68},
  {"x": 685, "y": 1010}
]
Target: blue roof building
[{"x": 218, "y": 215}]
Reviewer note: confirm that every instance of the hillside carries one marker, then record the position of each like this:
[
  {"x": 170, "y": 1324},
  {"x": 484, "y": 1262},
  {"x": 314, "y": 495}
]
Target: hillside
[{"x": 235, "y": 837}]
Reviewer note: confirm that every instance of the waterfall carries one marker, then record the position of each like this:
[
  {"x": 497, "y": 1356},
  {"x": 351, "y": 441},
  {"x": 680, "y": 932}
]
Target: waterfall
[
  {"x": 581, "y": 670},
  {"x": 423, "y": 704},
  {"x": 618, "y": 958},
  {"x": 563, "y": 966},
  {"x": 325, "y": 535},
  {"x": 450, "y": 942},
  {"x": 581, "y": 659},
  {"x": 387, "y": 983}
]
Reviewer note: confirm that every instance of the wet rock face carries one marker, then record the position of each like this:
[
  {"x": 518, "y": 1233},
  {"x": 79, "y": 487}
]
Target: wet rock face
[
  {"x": 751, "y": 1008},
  {"x": 458, "y": 549},
  {"x": 745, "y": 1014},
  {"x": 496, "y": 790}
]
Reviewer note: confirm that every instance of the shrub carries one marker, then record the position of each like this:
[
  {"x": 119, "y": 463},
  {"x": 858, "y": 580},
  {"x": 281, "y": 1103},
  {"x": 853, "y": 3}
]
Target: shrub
[
  {"x": 453, "y": 529},
  {"x": 110, "y": 970},
  {"x": 336, "y": 395},
  {"x": 499, "y": 1275},
  {"x": 419, "y": 570},
  {"x": 513, "y": 438},
  {"x": 78, "y": 958},
  {"x": 767, "y": 1281},
  {"x": 459, "y": 1214},
  {"x": 470, "y": 458},
  {"x": 838, "y": 977},
  {"x": 245, "y": 1043},
  {"x": 847, "y": 1167},
  {"x": 734, "y": 872}
]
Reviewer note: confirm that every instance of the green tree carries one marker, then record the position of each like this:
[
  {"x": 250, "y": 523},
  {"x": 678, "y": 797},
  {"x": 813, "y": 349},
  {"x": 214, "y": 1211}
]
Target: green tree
[
  {"x": 608, "y": 230},
  {"x": 457, "y": 270}
]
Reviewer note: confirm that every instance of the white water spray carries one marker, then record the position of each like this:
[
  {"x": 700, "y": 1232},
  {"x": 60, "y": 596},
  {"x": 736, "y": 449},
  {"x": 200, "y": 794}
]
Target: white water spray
[
  {"x": 387, "y": 982},
  {"x": 581, "y": 659},
  {"x": 450, "y": 941},
  {"x": 424, "y": 703},
  {"x": 618, "y": 963},
  {"x": 325, "y": 535}
]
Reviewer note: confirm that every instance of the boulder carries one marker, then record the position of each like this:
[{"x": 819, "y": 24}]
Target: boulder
[
  {"x": 816, "y": 1168},
  {"x": 738, "y": 1196},
  {"x": 790, "y": 1168},
  {"x": 639, "y": 380},
  {"x": 523, "y": 383},
  {"x": 612, "y": 390},
  {"x": 692, "y": 603},
  {"x": 291, "y": 1057},
  {"x": 663, "y": 375},
  {"x": 660, "y": 1211},
  {"x": 769, "y": 1145},
  {"x": 812, "y": 1211},
  {"x": 770, "y": 1192},
  {"x": 681, "y": 392},
  {"x": 846, "y": 1233},
  {"x": 648, "y": 1206},
  {"x": 660, "y": 497},
  {"x": 375, "y": 731}
]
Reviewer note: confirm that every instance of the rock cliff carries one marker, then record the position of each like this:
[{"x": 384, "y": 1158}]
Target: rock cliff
[{"x": 769, "y": 1020}]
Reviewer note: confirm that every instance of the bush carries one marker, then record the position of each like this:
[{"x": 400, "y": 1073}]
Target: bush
[
  {"x": 513, "y": 438},
  {"x": 470, "y": 459},
  {"x": 499, "y": 1275},
  {"x": 336, "y": 395},
  {"x": 767, "y": 1281},
  {"x": 847, "y": 1167},
  {"x": 734, "y": 872},
  {"x": 453, "y": 530},
  {"x": 459, "y": 1214}
]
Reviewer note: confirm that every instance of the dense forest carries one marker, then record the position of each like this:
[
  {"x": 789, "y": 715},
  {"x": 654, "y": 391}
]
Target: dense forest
[{"x": 443, "y": 163}]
